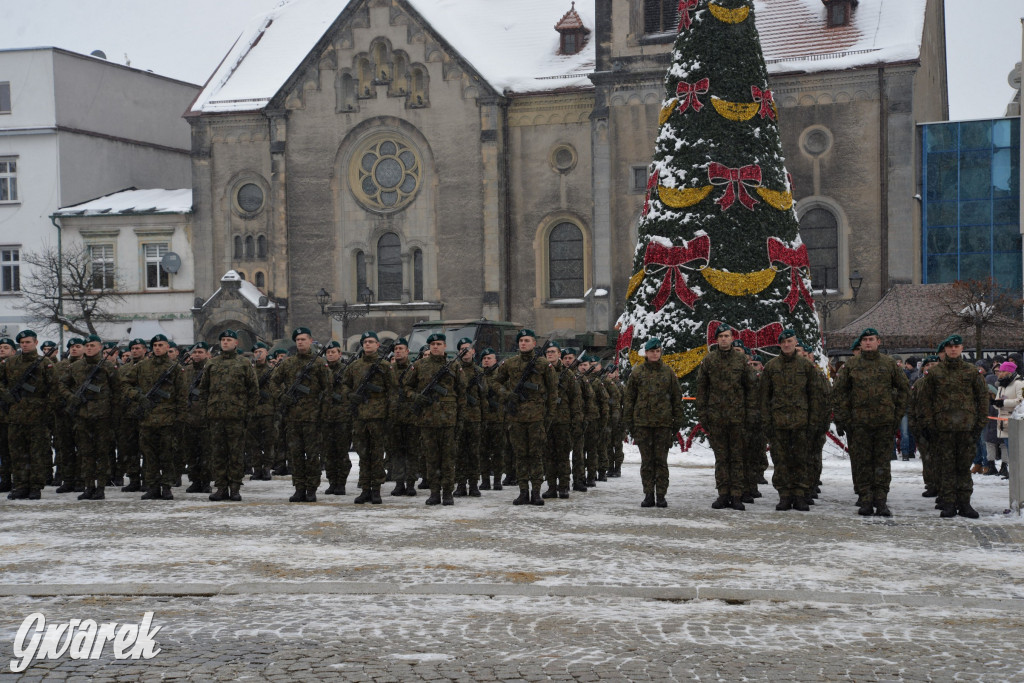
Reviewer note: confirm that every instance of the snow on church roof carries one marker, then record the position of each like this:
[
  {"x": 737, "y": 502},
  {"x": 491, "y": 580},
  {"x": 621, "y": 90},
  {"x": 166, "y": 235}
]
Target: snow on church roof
[{"x": 132, "y": 201}]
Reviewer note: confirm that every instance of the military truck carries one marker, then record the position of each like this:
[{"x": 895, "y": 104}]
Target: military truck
[{"x": 497, "y": 334}]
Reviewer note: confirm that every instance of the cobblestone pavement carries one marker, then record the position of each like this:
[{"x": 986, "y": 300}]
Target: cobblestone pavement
[{"x": 585, "y": 589}]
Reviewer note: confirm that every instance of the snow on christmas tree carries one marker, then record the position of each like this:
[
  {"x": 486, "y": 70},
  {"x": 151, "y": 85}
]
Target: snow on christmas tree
[{"x": 718, "y": 235}]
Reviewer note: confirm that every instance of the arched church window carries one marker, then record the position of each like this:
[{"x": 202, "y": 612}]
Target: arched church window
[
  {"x": 261, "y": 246},
  {"x": 238, "y": 247},
  {"x": 261, "y": 280},
  {"x": 417, "y": 274},
  {"x": 819, "y": 230},
  {"x": 565, "y": 262},
  {"x": 360, "y": 272},
  {"x": 250, "y": 247},
  {"x": 389, "y": 267}
]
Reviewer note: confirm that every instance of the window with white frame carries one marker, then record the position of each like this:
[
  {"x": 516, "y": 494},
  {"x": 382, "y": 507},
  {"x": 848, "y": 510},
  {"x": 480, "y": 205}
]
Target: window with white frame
[
  {"x": 5, "y": 98},
  {"x": 156, "y": 277},
  {"x": 8, "y": 180},
  {"x": 101, "y": 266},
  {"x": 10, "y": 269}
]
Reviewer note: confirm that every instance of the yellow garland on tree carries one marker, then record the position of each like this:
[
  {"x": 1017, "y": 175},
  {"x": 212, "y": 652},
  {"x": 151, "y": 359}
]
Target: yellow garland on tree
[
  {"x": 783, "y": 201},
  {"x": 634, "y": 282},
  {"x": 666, "y": 112},
  {"x": 729, "y": 16},
  {"x": 735, "y": 111},
  {"x": 739, "y": 284},
  {"x": 681, "y": 363},
  {"x": 680, "y": 199}
]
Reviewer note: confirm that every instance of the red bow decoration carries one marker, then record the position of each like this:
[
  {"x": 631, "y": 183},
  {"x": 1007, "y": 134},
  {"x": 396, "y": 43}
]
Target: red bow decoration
[
  {"x": 736, "y": 181},
  {"x": 752, "y": 339},
  {"x": 625, "y": 340},
  {"x": 687, "y": 93},
  {"x": 766, "y": 99},
  {"x": 795, "y": 259},
  {"x": 684, "y": 14},
  {"x": 672, "y": 259},
  {"x": 652, "y": 182}
]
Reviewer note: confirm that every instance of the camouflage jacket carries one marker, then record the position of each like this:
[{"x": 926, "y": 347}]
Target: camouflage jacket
[
  {"x": 334, "y": 405},
  {"x": 102, "y": 398},
  {"x": 790, "y": 394},
  {"x": 537, "y": 400},
  {"x": 304, "y": 404},
  {"x": 595, "y": 398},
  {"x": 493, "y": 411},
  {"x": 870, "y": 391},
  {"x": 614, "y": 390},
  {"x": 652, "y": 397},
  {"x": 404, "y": 409},
  {"x": 39, "y": 391},
  {"x": 380, "y": 397},
  {"x": 229, "y": 387},
  {"x": 569, "y": 404},
  {"x": 265, "y": 402},
  {"x": 953, "y": 398},
  {"x": 443, "y": 405},
  {"x": 473, "y": 412},
  {"x": 142, "y": 376},
  {"x": 726, "y": 388},
  {"x": 192, "y": 373}
]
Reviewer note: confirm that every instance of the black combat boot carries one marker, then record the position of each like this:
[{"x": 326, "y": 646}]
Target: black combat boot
[
  {"x": 446, "y": 497},
  {"x": 194, "y": 487},
  {"x": 551, "y": 492},
  {"x": 339, "y": 489},
  {"x": 965, "y": 510},
  {"x": 79, "y": 488},
  {"x": 310, "y": 495},
  {"x": 591, "y": 481},
  {"x": 485, "y": 485},
  {"x": 660, "y": 501},
  {"x": 85, "y": 495},
  {"x": 151, "y": 494},
  {"x": 736, "y": 503},
  {"x": 399, "y": 489},
  {"x": 754, "y": 493},
  {"x": 299, "y": 496},
  {"x": 18, "y": 494},
  {"x": 524, "y": 497},
  {"x": 474, "y": 490},
  {"x": 165, "y": 493},
  {"x": 866, "y": 510},
  {"x": 329, "y": 491},
  {"x": 176, "y": 483},
  {"x": 115, "y": 481},
  {"x": 423, "y": 486},
  {"x": 507, "y": 481},
  {"x": 536, "y": 498},
  {"x": 36, "y": 494},
  {"x": 434, "y": 498},
  {"x": 410, "y": 488},
  {"x": 602, "y": 475},
  {"x": 800, "y": 504},
  {"x": 785, "y": 503},
  {"x": 375, "y": 497},
  {"x": 460, "y": 490},
  {"x": 133, "y": 486},
  {"x": 882, "y": 509},
  {"x": 563, "y": 492},
  {"x": 578, "y": 485},
  {"x": 1004, "y": 471},
  {"x": 723, "y": 501},
  {"x": 648, "y": 501},
  {"x": 236, "y": 495},
  {"x": 67, "y": 487},
  {"x": 98, "y": 493},
  {"x": 929, "y": 493},
  {"x": 747, "y": 497},
  {"x": 497, "y": 484},
  {"x": 363, "y": 497},
  {"x": 809, "y": 500},
  {"x": 220, "y": 494},
  {"x": 948, "y": 510}
]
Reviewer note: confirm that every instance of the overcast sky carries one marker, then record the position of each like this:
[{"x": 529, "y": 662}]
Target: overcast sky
[{"x": 186, "y": 39}]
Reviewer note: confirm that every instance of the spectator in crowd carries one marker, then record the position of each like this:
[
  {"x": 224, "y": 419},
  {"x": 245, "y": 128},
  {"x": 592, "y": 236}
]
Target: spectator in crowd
[{"x": 1009, "y": 393}]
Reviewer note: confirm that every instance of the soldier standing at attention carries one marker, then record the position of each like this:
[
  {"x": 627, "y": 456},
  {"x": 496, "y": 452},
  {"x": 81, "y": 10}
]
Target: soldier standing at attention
[
  {"x": 928, "y": 473},
  {"x": 870, "y": 393},
  {"x": 791, "y": 406},
  {"x": 725, "y": 404},
  {"x": 653, "y": 412},
  {"x": 467, "y": 439},
  {"x": 280, "y": 449},
  {"x": 595, "y": 412},
  {"x": 196, "y": 443},
  {"x": 568, "y": 409},
  {"x": 229, "y": 391},
  {"x": 579, "y": 424},
  {"x": 260, "y": 432},
  {"x": 156, "y": 428},
  {"x": 92, "y": 406},
  {"x": 299, "y": 381},
  {"x": 29, "y": 387},
  {"x": 372, "y": 393},
  {"x": 953, "y": 412},
  {"x": 404, "y": 433},
  {"x": 128, "y": 451},
  {"x": 817, "y": 435},
  {"x": 440, "y": 407},
  {"x": 755, "y": 458},
  {"x": 336, "y": 431},
  {"x": 7, "y": 350},
  {"x": 63, "y": 437},
  {"x": 614, "y": 388},
  {"x": 529, "y": 386},
  {"x": 492, "y": 433}
]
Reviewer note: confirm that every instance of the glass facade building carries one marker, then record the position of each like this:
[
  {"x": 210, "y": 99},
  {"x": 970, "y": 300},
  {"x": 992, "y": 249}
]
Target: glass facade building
[{"x": 971, "y": 202}]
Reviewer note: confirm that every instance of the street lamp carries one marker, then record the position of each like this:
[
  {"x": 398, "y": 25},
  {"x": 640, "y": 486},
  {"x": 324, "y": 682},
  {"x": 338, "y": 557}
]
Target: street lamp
[
  {"x": 827, "y": 307},
  {"x": 343, "y": 312}
]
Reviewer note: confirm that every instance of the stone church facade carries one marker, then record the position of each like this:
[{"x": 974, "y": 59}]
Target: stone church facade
[{"x": 392, "y": 167}]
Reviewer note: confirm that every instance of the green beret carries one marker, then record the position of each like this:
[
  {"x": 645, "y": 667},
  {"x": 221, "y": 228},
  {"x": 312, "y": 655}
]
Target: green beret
[
  {"x": 73, "y": 341},
  {"x": 157, "y": 338},
  {"x": 200, "y": 345},
  {"x": 652, "y": 343},
  {"x": 806, "y": 347},
  {"x": 927, "y": 359},
  {"x": 49, "y": 344},
  {"x": 724, "y": 327},
  {"x": 551, "y": 344},
  {"x": 464, "y": 340},
  {"x": 172, "y": 344},
  {"x": 758, "y": 358},
  {"x": 107, "y": 345},
  {"x": 279, "y": 352},
  {"x": 333, "y": 345},
  {"x": 525, "y": 332},
  {"x": 425, "y": 348},
  {"x": 866, "y": 332},
  {"x": 124, "y": 349},
  {"x": 953, "y": 340},
  {"x": 137, "y": 342},
  {"x": 402, "y": 341},
  {"x": 25, "y": 333},
  {"x": 260, "y": 345},
  {"x": 228, "y": 333},
  {"x": 568, "y": 351},
  {"x": 300, "y": 330},
  {"x": 369, "y": 334},
  {"x": 7, "y": 340},
  {"x": 855, "y": 345},
  {"x": 786, "y": 334},
  {"x": 437, "y": 336},
  {"x": 738, "y": 344},
  {"x": 488, "y": 351}
]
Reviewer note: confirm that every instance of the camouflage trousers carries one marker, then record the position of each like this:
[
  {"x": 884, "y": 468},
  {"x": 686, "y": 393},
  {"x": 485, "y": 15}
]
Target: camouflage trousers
[
  {"x": 337, "y": 440},
  {"x": 814, "y": 462},
  {"x": 467, "y": 460},
  {"x": 93, "y": 438},
  {"x": 618, "y": 438},
  {"x": 556, "y": 457},
  {"x": 31, "y": 455},
  {"x": 5, "y": 454},
  {"x": 654, "y": 443},
  {"x": 755, "y": 457},
  {"x": 303, "y": 439},
  {"x": 158, "y": 444},
  {"x": 368, "y": 439},
  {"x": 128, "y": 449},
  {"x": 728, "y": 443},
  {"x": 510, "y": 452},
  {"x": 595, "y": 441},
  {"x": 870, "y": 461},
  {"x": 67, "y": 456},
  {"x": 579, "y": 453},
  {"x": 403, "y": 442},
  {"x": 928, "y": 469},
  {"x": 953, "y": 453},
  {"x": 196, "y": 451},
  {"x": 438, "y": 444},
  {"x": 528, "y": 443},
  {"x": 789, "y": 453},
  {"x": 227, "y": 452},
  {"x": 492, "y": 449},
  {"x": 259, "y": 442}
]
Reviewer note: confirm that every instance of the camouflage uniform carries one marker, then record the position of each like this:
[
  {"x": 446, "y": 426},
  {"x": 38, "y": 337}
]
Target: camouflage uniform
[
  {"x": 652, "y": 408},
  {"x": 157, "y": 429},
  {"x": 568, "y": 411},
  {"x": 818, "y": 435},
  {"x": 336, "y": 415},
  {"x": 196, "y": 445},
  {"x": 924, "y": 447},
  {"x": 615, "y": 454},
  {"x": 403, "y": 439},
  {"x": 301, "y": 412},
  {"x": 589, "y": 412},
  {"x": 492, "y": 433},
  {"x": 467, "y": 460},
  {"x": 438, "y": 419},
  {"x": 534, "y": 404},
  {"x": 92, "y": 422},
  {"x": 259, "y": 438},
  {"x": 755, "y": 455},
  {"x": 64, "y": 440},
  {"x": 725, "y": 404},
  {"x": 791, "y": 406},
  {"x": 595, "y": 432},
  {"x": 229, "y": 392},
  {"x": 372, "y": 413},
  {"x": 128, "y": 452},
  {"x": 953, "y": 410},
  {"x": 28, "y": 431},
  {"x": 870, "y": 398}
]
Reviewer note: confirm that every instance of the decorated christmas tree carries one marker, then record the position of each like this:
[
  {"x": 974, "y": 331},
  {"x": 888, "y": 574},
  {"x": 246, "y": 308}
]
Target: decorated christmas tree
[{"x": 718, "y": 234}]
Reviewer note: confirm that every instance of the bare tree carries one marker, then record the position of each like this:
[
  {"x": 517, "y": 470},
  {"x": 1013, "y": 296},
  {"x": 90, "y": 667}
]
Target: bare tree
[
  {"x": 88, "y": 297},
  {"x": 980, "y": 306}
]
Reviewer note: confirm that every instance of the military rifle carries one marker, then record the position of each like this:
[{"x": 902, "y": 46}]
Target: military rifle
[
  {"x": 22, "y": 385},
  {"x": 148, "y": 401},
  {"x": 365, "y": 385},
  {"x": 433, "y": 388},
  {"x": 561, "y": 377},
  {"x": 193, "y": 388},
  {"x": 80, "y": 396},
  {"x": 264, "y": 378},
  {"x": 512, "y": 404},
  {"x": 340, "y": 375},
  {"x": 290, "y": 396}
]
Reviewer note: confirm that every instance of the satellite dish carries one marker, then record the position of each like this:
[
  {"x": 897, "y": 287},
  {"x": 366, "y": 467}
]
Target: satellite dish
[
  {"x": 171, "y": 262},
  {"x": 98, "y": 53}
]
